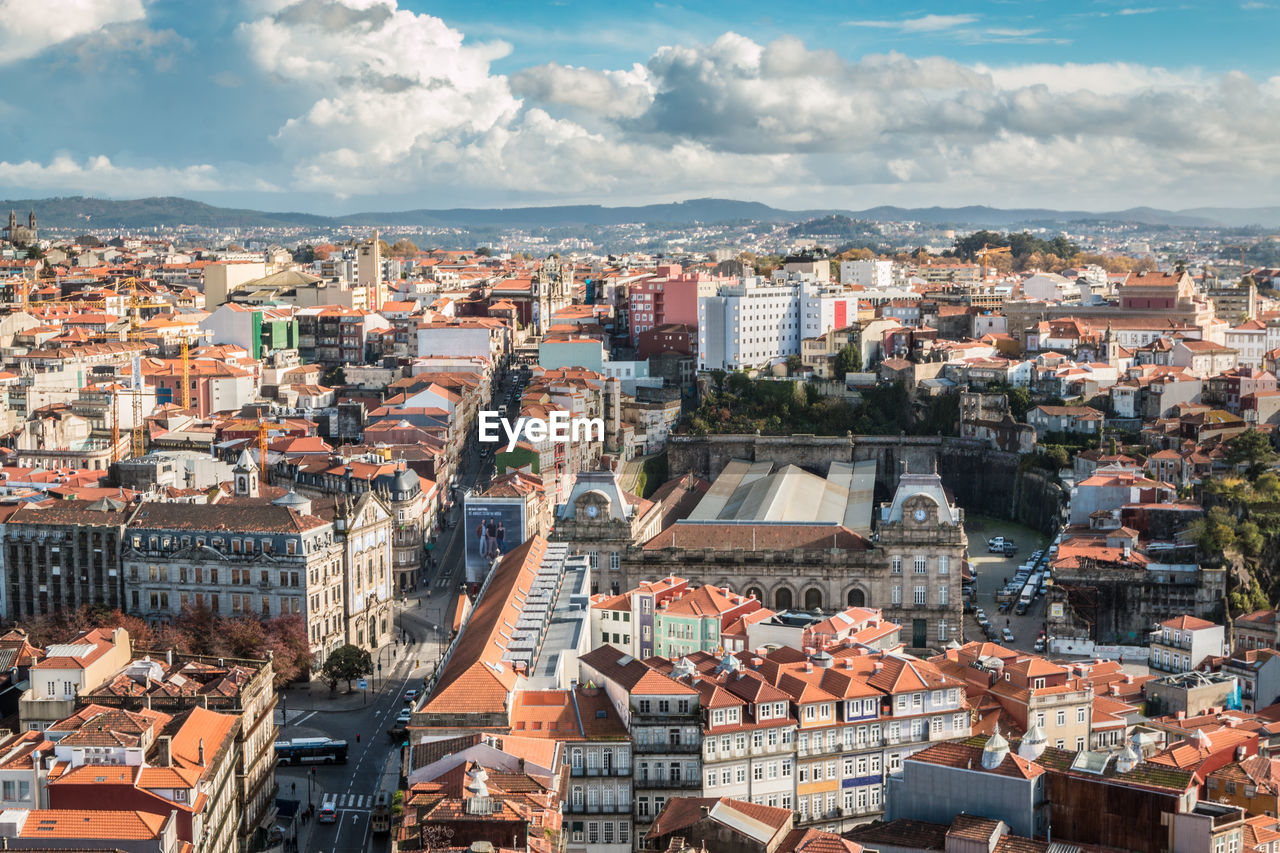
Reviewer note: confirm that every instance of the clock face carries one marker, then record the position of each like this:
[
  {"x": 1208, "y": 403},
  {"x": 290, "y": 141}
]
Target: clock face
[
  {"x": 920, "y": 514},
  {"x": 592, "y": 510}
]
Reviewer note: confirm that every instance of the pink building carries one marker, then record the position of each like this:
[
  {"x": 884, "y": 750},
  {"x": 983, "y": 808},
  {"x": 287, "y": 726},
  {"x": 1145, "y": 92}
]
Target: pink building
[{"x": 670, "y": 296}]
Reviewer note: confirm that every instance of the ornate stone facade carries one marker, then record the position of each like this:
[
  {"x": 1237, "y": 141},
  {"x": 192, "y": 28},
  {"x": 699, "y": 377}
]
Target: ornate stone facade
[{"x": 911, "y": 568}]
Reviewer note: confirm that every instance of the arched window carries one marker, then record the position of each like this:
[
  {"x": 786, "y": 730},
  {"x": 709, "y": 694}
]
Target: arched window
[
  {"x": 813, "y": 599},
  {"x": 857, "y": 598},
  {"x": 782, "y": 599}
]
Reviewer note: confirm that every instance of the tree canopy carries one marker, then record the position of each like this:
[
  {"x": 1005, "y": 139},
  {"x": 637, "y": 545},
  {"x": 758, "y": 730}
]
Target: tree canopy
[{"x": 347, "y": 663}]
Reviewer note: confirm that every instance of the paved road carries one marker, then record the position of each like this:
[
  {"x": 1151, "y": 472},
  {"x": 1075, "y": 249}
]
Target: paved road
[
  {"x": 993, "y": 569},
  {"x": 423, "y": 619}
]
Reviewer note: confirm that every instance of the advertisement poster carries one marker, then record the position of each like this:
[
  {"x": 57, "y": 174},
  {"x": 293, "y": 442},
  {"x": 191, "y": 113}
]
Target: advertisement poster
[{"x": 493, "y": 529}]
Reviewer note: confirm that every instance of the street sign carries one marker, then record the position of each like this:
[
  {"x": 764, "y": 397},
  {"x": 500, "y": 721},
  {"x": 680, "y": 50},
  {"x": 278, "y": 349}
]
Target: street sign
[{"x": 363, "y": 684}]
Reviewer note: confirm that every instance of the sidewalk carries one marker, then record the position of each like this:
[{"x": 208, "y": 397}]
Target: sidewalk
[
  {"x": 292, "y": 784},
  {"x": 314, "y": 697}
]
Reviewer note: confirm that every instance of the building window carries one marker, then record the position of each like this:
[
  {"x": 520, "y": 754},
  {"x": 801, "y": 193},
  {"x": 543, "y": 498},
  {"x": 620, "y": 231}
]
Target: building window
[
  {"x": 921, "y": 564},
  {"x": 944, "y": 595},
  {"x": 895, "y": 595},
  {"x": 920, "y": 596},
  {"x": 895, "y": 565},
  {"x": 944, "y": 565}
]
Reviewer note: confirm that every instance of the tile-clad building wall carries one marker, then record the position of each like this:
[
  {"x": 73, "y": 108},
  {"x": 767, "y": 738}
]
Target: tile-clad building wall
[{"x": 64, "y": 557}]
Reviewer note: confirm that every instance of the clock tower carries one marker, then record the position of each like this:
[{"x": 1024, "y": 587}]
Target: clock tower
[
  {"x": 921, "y": 535},
  {"x": 602, "y": 520}
]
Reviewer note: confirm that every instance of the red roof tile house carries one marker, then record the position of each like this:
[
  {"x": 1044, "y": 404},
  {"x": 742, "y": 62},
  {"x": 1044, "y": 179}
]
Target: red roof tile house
[
  {"x": 724, "y": 825},
  {"x": 470, "y": 803},
  {"x": 87, "y": 830},
  {"x": 1182, "y": 643},
  {"x": 69, "y": 670},
  {"x": 981, "y": 776},
  {"x": 110, "y": 761}
]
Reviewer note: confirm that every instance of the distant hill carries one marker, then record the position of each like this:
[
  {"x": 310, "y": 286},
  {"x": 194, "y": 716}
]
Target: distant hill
[
  {"x": 77, "y": 212},
  {"x": 90, "y": 213}
]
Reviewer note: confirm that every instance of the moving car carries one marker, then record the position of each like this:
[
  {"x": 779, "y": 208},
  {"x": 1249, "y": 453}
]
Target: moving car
[
  {"x": 404, "y": 716},
  {"x": 1007, "y": 635},
  {"x": 410, "y": 695},
  {"x": 329, "y": 809},
  {"x": 1039, "y": 645}
]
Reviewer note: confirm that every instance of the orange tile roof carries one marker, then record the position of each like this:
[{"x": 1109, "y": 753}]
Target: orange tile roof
[{"x": 83, "y": 823}]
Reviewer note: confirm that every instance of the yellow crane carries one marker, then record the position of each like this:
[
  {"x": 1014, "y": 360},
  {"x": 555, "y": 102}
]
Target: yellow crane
[
  {"x": 262, "y": 450},
  {"x": 982, "y": 257}
]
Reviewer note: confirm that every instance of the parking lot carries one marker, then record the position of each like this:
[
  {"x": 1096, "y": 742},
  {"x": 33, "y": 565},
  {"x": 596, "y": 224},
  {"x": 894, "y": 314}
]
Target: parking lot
[{"x": 993, "y": 570}]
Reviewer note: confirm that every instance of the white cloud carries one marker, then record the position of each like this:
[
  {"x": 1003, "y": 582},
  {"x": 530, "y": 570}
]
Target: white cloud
[
  {"x": 608, "y": 93},
  {"x": 398, "y": 102},
  {"x": 29, "y": 26},
  {"x": 924, "y": 24},
  {"x": 100, "y": 175}
]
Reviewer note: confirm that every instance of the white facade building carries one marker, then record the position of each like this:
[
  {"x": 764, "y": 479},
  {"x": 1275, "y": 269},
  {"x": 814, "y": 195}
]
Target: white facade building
[
  {"x": 754, "y": 323},
  {"x": 871, "y": 274}
]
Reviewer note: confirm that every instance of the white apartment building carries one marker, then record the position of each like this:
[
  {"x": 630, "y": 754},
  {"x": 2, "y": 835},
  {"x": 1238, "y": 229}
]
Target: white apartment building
[
  {"x": 755, "y": 322},
  {"x": 871, "y": 274}
]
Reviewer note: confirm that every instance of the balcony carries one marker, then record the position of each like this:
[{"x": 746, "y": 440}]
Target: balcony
[
  {"x": 665, "y": 748},
  {"x": 663, "y": 782},
  {"x": 601, "y": 771},
  {"x": 597, "y": 808}
]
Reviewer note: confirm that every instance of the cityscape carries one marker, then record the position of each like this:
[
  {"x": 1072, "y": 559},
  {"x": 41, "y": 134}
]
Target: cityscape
[{"x": 639, "y": 429}]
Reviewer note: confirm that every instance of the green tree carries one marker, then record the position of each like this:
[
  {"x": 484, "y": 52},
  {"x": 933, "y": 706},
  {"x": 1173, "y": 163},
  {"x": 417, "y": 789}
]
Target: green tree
[
  {"x": 346, "y": 663},
  {"x": 484, "y": 252},
  {"x": 1057, "y": 457},
  {"x": 848, "y": 360},
  {"x": 1250, "y": 538},
  {"x": 1019, "y": 402},
  {"x": 1214, "y": 533},
  {"x": 794, "y": 365},
  {"x": 1252, "y": 449},
  {"x": 404, "y": 247}
]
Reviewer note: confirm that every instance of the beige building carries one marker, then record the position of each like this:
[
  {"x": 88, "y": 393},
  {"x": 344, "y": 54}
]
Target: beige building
[{"x": 69, "y": 670}]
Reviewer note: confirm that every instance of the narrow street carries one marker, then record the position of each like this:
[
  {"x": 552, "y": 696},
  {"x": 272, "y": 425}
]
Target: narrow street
[{"x": 423, "y": 620}]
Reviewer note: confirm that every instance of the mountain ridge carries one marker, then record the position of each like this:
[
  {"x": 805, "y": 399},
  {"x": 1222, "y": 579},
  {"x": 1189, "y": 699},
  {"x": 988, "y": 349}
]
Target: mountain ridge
[{"x": 71, "y": 212}]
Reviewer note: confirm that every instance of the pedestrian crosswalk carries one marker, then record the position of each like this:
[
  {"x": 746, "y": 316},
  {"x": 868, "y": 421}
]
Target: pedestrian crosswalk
[{"x": 355, "y": 801}]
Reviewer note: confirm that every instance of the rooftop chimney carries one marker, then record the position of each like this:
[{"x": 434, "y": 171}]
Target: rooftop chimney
[
  {"x": 202, "y": 764},
  {"x": 164, "y": 751},
  {"x": 706, "y": 810}
]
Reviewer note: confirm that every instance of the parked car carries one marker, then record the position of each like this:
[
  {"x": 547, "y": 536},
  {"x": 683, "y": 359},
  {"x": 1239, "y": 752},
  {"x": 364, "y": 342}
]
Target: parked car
[
  {"x": 1039, "y": 644},
  {"x": 410, "y": 695},
  {"x": 404, "y": 716}
]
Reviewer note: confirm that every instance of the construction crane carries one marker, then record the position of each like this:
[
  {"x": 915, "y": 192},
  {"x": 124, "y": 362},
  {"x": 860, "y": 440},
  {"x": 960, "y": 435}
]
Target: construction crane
[
  {"x": 982, "y": 257},
  {"x": 138, "y": 448},
  {"x": 262, "y": 450},
  {"x": 186, "y": 373}
]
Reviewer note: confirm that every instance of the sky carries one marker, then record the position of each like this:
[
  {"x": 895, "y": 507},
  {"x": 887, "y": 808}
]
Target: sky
[{"x": 335, "y": 106}]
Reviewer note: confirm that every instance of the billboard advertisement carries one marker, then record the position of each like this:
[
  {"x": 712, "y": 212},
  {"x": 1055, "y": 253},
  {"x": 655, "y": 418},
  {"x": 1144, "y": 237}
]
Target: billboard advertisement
[{"x": 493, "y": 528}]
